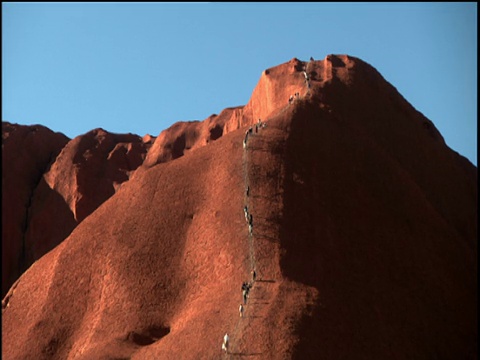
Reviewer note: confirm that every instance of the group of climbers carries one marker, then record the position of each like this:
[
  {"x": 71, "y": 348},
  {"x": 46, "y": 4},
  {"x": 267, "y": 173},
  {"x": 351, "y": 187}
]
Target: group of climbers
[
  {"x": 259, "y": 125},
  {"x": 246, "y": 286},
  {"x": 293, "y": 97},
  {"x": 305, "y": 72}
]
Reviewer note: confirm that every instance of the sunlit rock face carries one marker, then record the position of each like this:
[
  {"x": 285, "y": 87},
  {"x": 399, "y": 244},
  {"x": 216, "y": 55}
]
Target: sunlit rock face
[
  {"x": 51, "y": 183},
  {"x": 363, "y": 233}
]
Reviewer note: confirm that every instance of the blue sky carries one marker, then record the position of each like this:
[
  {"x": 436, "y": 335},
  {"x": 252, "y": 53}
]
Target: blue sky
[{"x": 140, "y": 67}]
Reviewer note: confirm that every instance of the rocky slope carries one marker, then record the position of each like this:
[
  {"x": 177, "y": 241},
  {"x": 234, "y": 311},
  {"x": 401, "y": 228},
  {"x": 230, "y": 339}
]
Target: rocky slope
[
  {"x": 27, "y": 152},
  {"x": 51, "y": 183},
  {"x": 363, "y": 239}
]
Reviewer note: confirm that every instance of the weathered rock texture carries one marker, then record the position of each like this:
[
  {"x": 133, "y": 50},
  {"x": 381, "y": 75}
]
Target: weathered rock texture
[
  {"x": 50, "y": 184},
  {"x": 27, "y": 153},
  {"x": 364, "y": 235}
]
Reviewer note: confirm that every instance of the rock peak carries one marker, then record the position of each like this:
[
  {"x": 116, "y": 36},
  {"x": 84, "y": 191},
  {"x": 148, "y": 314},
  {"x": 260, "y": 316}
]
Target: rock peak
[{"x": 360, "y": 222}]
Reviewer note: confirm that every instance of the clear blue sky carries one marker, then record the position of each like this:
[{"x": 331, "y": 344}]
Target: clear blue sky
[{"x": 140, "y": 67}]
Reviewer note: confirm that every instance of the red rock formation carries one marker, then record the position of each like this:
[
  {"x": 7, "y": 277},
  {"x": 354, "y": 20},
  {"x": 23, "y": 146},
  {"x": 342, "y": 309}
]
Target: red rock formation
[
  {"x": 27, "y": 152},
  {"x": 183, "y": 137},
  {"x": 364, "y": 238},
  {"x": 92, "y": 166},
  {"x": 61, "y": 190},
  {"x": 270, "y": 95}
]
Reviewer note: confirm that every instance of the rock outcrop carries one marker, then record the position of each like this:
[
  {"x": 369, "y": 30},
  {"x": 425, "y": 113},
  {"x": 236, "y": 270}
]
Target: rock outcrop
[
  {"x": 27, "y": 153},
  {"x": 51, "y": 183},
  {"x": 363, "y": 237}
]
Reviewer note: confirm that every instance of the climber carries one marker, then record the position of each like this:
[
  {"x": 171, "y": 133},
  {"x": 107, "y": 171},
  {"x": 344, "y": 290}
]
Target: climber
[
  {"x": 247, "y": 288},
  {"x": 240, "y": 310},
  {"x": 225, "y": 343},
  {"x": 245, "y": 140}
]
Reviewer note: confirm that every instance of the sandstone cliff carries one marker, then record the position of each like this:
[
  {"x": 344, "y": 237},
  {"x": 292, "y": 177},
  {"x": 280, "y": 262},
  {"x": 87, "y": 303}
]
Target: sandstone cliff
[{"x": 364, "y": 235}]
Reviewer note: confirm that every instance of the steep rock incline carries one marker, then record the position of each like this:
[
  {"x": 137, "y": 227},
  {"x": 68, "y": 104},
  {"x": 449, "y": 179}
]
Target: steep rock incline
[
  {"x": 363, "y": 235},
  {"x": 165, "y": 264},
  {"x": 68, "y": 184},
  {"x": 364, "y": 101},
  {"x": 27, "y": 152},
  {"x": 380, "y": 218},
  {"x": 272, "y": 92}
]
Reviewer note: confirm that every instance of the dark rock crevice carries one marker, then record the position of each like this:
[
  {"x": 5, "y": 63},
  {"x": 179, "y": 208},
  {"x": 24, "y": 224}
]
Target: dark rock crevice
[
  {"x": 23, "y": 263},
  {"x": 147, "y": 336}
]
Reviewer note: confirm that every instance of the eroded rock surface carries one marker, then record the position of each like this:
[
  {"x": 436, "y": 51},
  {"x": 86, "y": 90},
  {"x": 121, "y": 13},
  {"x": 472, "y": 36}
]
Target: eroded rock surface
[{"x": 364, "y": 234}]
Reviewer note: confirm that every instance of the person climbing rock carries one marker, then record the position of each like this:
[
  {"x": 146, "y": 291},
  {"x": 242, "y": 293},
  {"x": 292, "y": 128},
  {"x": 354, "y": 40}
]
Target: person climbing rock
[
  {"x": 225, "y": 343},
  {"x": 248, "y": 286}
]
